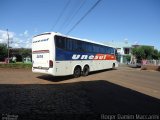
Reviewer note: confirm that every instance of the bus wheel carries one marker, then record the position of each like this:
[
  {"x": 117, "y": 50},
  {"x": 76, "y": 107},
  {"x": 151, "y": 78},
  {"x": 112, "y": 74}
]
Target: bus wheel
[
  {"x": 77, "y": 72},
  {"x": 113, "y": 66},
  {"x": 85, "y": 70}
]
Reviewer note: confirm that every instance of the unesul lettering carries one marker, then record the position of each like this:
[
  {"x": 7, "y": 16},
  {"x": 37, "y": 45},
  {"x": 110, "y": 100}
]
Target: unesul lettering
[{"x": 90, "y": 57}]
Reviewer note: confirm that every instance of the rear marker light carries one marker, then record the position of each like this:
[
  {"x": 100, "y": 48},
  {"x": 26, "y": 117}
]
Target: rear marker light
[{"x": 50, "y": 63}]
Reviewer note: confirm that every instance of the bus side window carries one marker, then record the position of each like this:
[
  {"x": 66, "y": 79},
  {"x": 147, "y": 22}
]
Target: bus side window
[
  {"x": 84, "y": 47},
  {"x": 97, "y": 48},
  {"x": 60, "y": 43},
  {"x": 106, "y": 50},
  {"x": 112, "y": 51},
  {"x": 69, "y": 44},
  {"x": 94, "y": 48},
  {"x": 89, "y": 47},
  {"x": 74, "y": 45},
  {"x": 78, "y": 48},
  {"x": 102, "y": 49},
  {"x": 57, "y": 41}
]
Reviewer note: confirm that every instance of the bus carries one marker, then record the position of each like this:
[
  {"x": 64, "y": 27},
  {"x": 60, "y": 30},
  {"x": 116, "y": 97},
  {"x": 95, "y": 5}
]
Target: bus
[{"x": 61, "y": 55}]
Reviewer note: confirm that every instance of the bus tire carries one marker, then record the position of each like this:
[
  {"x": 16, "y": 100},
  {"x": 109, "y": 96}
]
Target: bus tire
[
  {"x": 77, "y": 72},
  {"x": 113, "y": 66},
  {"x": 85, "y": 70}
]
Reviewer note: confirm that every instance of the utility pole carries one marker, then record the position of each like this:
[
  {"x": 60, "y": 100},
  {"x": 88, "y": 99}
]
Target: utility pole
[{"x": 8, "y": 46}]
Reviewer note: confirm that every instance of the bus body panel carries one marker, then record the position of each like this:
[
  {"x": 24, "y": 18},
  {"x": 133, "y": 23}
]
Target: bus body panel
[
  {"x": 41, "y": 59},
  {"x": 44, "y": 50},
  {"x": 67, "y": 67}
]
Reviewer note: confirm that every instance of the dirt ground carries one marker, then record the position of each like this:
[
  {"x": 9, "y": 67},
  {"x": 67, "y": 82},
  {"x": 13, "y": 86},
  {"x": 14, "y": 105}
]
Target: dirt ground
[{"x": 125, "y": 90}]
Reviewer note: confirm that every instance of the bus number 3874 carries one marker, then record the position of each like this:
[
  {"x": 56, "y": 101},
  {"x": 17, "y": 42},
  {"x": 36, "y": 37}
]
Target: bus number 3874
[{"x": 39, "y": 56}]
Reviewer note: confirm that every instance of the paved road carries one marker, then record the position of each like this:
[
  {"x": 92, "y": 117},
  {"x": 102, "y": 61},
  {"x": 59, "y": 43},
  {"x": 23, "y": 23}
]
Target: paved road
[{"x": 124, "y": 90}]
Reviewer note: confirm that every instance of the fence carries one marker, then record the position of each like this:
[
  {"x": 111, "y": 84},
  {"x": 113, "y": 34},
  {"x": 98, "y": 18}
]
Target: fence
[{"x": 151, "y": 62}]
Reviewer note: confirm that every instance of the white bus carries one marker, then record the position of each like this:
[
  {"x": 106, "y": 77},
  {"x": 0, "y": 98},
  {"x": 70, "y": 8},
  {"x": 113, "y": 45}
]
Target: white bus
[{"x": 60, "y": 55}]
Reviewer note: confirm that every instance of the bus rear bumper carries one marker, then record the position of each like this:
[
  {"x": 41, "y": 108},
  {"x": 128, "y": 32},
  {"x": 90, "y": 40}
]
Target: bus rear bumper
[{"x": 45, "y": 71}]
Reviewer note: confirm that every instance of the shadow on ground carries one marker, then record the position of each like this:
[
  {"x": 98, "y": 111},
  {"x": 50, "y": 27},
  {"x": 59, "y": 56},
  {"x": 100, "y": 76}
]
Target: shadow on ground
[
  {"x": 37, "y": 101},
  {"x": 65, "y": 78},
  {"x": 55, "y": 78}
]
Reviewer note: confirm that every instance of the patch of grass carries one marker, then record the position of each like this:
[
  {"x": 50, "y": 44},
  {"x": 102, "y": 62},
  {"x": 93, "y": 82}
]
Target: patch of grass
[{"x": 16, "y": 65}]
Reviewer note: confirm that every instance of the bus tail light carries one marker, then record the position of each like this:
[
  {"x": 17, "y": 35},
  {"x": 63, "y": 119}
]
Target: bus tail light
[{"x": 50, "y": 63}]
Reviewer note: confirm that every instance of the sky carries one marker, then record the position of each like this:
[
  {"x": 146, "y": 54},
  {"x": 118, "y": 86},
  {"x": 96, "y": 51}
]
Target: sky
[{"x": 134, "y": 21}]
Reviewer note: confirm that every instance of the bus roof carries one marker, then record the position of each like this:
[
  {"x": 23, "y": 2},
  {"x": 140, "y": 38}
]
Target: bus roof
[{"x": 59, "y": 34}]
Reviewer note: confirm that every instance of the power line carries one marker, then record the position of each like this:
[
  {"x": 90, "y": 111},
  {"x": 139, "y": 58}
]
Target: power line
[
  {"x": 84, "y": 15},
  {"x": 70, "y": 11},
  {"x": 75, "y": 13},
  {"x": 61, "y": 14}
]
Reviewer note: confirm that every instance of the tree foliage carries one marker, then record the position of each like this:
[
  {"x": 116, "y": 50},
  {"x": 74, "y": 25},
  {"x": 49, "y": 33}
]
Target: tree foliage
[
  {"x": 25, "y": 52},
  {"x": 155, "y": 54},
  {"x": 145, "y": 52},
  {"x": 128, "y": 58},
  {"x": 3, "y": 51}
]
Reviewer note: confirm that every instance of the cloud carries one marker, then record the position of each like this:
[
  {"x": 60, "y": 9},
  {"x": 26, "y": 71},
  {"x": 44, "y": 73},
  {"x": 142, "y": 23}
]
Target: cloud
[
  {"x": 21, "y": 35},
  {"x": 16, "y": 45},
  {"x": 21, "y": 41},
  {"x": 28, "y": 45},
  {"x": 136, "y": 42},
  {"x": 4, "y": 36},
  {"x": 26, "y": 33},
  {"x": 126, "y": 40}
]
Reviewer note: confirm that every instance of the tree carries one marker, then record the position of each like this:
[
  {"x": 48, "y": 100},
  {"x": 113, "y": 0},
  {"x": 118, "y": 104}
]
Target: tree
[
  {"x": 128, "y": 58},
  {"x": 146, "y": 52},
  {"x": 25, "y": 53},
  {"x": 3, "y": 51},
  {"x": 159, "y": 55},
  {"x": 138, "y": 53},
  {"x": 155, "y": 54}
]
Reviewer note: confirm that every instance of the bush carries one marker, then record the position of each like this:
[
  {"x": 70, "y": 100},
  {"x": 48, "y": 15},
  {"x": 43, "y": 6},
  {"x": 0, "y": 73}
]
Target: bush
[{"x": 16, "y": 65}]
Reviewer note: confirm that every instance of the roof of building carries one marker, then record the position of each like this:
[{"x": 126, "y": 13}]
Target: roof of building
[{"x": 119, "y": 44}]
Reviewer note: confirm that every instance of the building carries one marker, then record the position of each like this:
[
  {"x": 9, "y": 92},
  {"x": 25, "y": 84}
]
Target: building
[
  {"x": 27, "y": 59},
  {"x": 21, "y": 54},
  {"x": 123, "y": 49}
]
